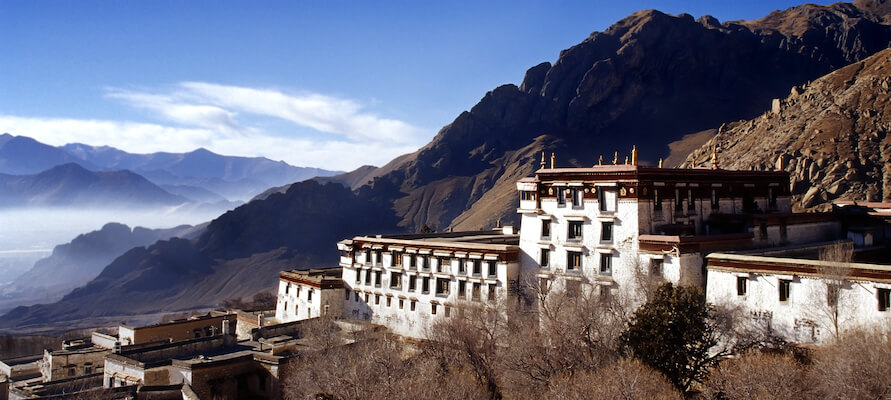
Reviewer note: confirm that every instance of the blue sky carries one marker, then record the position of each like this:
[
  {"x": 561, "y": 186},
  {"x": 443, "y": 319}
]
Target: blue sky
[{"x": 332, "y": 84}]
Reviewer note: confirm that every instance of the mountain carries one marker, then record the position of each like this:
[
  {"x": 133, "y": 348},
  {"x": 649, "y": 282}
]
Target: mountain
[
  {"x": 237, "y": 178},
  {"x": 651, "y": 79},
  {"x": 20, "y": 155},
  {"x": 831, "y": 135},
  {"x": 72, "y": 185},
  {"x": 75, "y": 263}
]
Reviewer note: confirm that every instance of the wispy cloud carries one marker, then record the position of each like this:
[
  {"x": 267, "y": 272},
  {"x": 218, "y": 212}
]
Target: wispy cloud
[{"x": 329, "y": 132}]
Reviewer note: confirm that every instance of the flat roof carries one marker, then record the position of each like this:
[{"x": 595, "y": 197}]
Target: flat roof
[
  {"x": 488, "y": 240},
  {"x": 774, "y": 265}
]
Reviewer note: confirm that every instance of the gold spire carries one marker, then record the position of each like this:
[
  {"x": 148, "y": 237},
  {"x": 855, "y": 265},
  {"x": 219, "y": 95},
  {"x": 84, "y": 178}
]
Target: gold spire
[
  {"x": 553, "y": 160},
  {"x": 660, "y": 162},
  {"x": 633, "y": 155},
  {"x": 600, "y": 160},
  {"x": 626, "y": 160},
  {"x": 616, "y": 158},
  {"x": 542, "y": 165},
  {"x": 715, "y": 158}
]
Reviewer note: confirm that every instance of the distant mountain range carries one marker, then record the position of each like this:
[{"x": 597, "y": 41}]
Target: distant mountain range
[
  {"x": 200, "y": 175},
  {"x": 655, "y": 80},
  {"x": 75, "y": 263}
]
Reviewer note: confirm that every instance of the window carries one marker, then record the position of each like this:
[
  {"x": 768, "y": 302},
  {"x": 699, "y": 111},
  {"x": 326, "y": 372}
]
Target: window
[
  {"x": 656, "y": 267},
  {"x": 678, "y": 201},
  {"x": 606, "y": 263},
  {"x": 573, "y": 260},
  {"x": 389, "y": 301},
  {"x": 395, "y": 280},
  {"x": 527, "y": 195},
  {"x": 378, "y": 257},
  {"x": 444, "y": 264},
  {"x": 309, "y": 295},
  {"x": 884, "y": 299},
  {"x": 368, "y": 277},
  {"x": 412, "y": 262},
  {"x": 492, "y": 291},
  {"x": 425, "y": 284},
  {"x": 493, "y": 270},
  {"x": 298, "y": 290},
  {"x": 425, "y": 262},
  {"x": 561, "y": 197},
  {"x": 575, "y": 230},
  {"x": 88, "y": 368},
  {"x": 606, "y": 231},
  {"x": 197, "y": 332},
  {"x": 477, "y": 267},
  {"x": 397, "y": 259},
  {"x": 71, "y": 371},
  {"x": 462, "y": 288},
  {"x": 412, "y": 283},
  {"x": 433, "y": 309},
  {"x": 442, "y": 286},
  {"x": 462, "y": 266},
  {"x": 691, "y": 201},
  {"x": 607, "y": 199},
  {"x": 657, "y": 200},
  {"x": 359, "y": 275},
  {"x": 545, "y": 228},
  {"x": 346, "y": 294},
  {"x": 413, "y": 305},
  {"x": 377, "y": 278},
  {"x": 741, "y": 285},
  {"x": 477, "y": 287},
  {"x": 377, "y": 299},
  {"x": 367, "y": 297},
  {"x": 401, "y": 304},
  {"x": 785, "y": 286},
  {"x": 716, "y": 200},
  {"x": 772, "y": 198},
  {"x": 368, "y": 257},
  {"x": 356, "y": 297},
  {"x": 545, "y": 258},
  {"x": 287, "y": 287},
  {"x": 577, "y": 199}
]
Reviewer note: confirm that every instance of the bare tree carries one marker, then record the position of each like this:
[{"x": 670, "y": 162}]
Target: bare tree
[
  {"x": 835, "y": 273},
  {"x": 855, "y": 366},
  {"x": 756, "y": 376},
  {"x": 625, "y": 379}
]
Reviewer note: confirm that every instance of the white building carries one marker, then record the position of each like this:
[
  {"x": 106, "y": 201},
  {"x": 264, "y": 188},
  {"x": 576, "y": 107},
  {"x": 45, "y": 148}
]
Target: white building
[
  {"x": 407, "y": 281},
  {"x": 787, "y": 297},
  {"x": 309, "y": 294}
]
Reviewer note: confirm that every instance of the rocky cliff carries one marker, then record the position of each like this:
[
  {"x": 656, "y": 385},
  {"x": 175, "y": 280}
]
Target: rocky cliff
[{"x": 831, "y": 135}]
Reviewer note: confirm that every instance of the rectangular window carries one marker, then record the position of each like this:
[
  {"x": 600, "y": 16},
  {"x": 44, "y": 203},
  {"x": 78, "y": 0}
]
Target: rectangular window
[
  {"x": 576, "y": 194},
  {"x": 395, "y": 280},
  {"x": 527, "y": 195},
  {"x": 477, "y": 287},
  {"x": 378, "y": 257},
  {"x": 575, "y": 230},
  {"x": 691, "y": 201},
  {"x": 287, "y": 287},
  {"x": 396, "y": 259},
  {"x": 785, "y": 288},
  {"x": 433, "y": 309},
  {"x": 401, "y": 304},
  {"x": 425, "y": 262},
  {"x": 88, "y": 369},
  {"x": 462, "y": 266},
  {"x": 389, "y": 301},
  {"x": 368, "y": 277},
  {"x": 412, "y": 261},
  {"x": 356, "y": 297},
  {"x": 492, "y": 291},
  {"x": 359, "y": 275},
  {"x": 462, "y": 288},
  {"x": 309, "y": 295},
  {"x": 606, "y": 263},
  {"x": 377, "y": 299},
  {"x": 884, "y": 299},
  {"x": 367, "y": 297},
  {"x": 413, "y": 305},
  {"x": 657, "y": 200},
  {"x": 444, "y": 264},
  {"x": 425, "y": 284},
  {"x": 442, "y": 286},
  {"x": 493, "y": 269},
  {"x": 573, "y": 260},
  {"x": 716, "y": 200},
  {"x": 606, "y": 231},
  {"x": 545, "y": 228},
  {"x": 368, "y": 257},
  {"x": 377, "y": 278},
  {"x": 561, "y": 196},
  {"x": 477, "y": 267},
  {"x": 678, "y": 201},
  {"x": 545, "y": 258},
  {"x": 346, "y": 293},
  {"x": 741, "y": 282},
  {"x": 412, "y": 283}
]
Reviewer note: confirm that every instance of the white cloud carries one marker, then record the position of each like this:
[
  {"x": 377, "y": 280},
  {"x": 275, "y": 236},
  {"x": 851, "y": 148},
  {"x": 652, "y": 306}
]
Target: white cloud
[{"x": 137, "y": 137}]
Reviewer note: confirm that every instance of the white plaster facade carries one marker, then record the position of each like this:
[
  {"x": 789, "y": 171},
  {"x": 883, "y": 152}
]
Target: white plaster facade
[
  {"x": 787, "y": 297},
  {"x": 309, "y": 294}
]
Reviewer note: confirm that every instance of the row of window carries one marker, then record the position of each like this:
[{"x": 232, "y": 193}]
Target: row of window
[
  {"x": 441, "y": 285},
  {"x": 784, "y": 289},
  {"x": 605, "y": 198},
  {"x": 297, "y": 294},
  {"x": 443, "y": 264},
  {"x": 574, "y": 261},
  {"x": 413, "y": 304},
  {"x": 574, "y": 230},
  {"x": 466, "y": 290},
  {"x": 690, "y": 196}
]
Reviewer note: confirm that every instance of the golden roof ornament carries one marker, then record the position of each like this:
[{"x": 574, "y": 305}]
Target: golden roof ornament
[
  {"x": 660, "y": 162},
  {"x": 715, "y": 158},
  {"x": 633, "y": 155},
  {"x": 600, "y": 160},
  {"x": 553, "y": 160},
  {"x": 626, "y": 160},
  {"x": 542, "y": 165},
  {"x": 616, "y": 158}
]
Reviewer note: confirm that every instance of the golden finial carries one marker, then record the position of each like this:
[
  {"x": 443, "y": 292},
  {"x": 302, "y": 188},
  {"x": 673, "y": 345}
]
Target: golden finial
[
  {"x": 715, "y": 158},
  {"x": 600, "y": 160},
  {"x": 660, "y": 162},
  {"x": 633, "y": 155},
  {"x": 626, "y": 160},
  {"x": 542, "y": 165},
  {"x": 616, "y": 158},
  {"x": 553, "y": 160}
]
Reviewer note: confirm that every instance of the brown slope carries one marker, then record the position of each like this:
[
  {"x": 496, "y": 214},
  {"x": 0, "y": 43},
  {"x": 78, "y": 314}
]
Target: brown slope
[{"x": 832, "y": 134}]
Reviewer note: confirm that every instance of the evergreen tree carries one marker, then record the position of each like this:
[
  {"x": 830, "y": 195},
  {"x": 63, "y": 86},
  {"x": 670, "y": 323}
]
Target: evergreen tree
[{"x": 673, "y": 333}]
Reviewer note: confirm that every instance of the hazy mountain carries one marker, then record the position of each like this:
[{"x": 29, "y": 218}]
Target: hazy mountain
[
  {"x": 233, "y": 177},
  {"x": 70, "y": 184},
  {"x": 20, "y": 155},
  {"x": 832, "y": 135},
  {"x": 649, "y": 80},
  {"x": 75, "y": 263}
]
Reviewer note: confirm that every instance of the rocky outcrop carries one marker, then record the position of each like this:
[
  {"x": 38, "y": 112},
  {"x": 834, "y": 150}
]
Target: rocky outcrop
[{"x": 831, "y": 135}]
